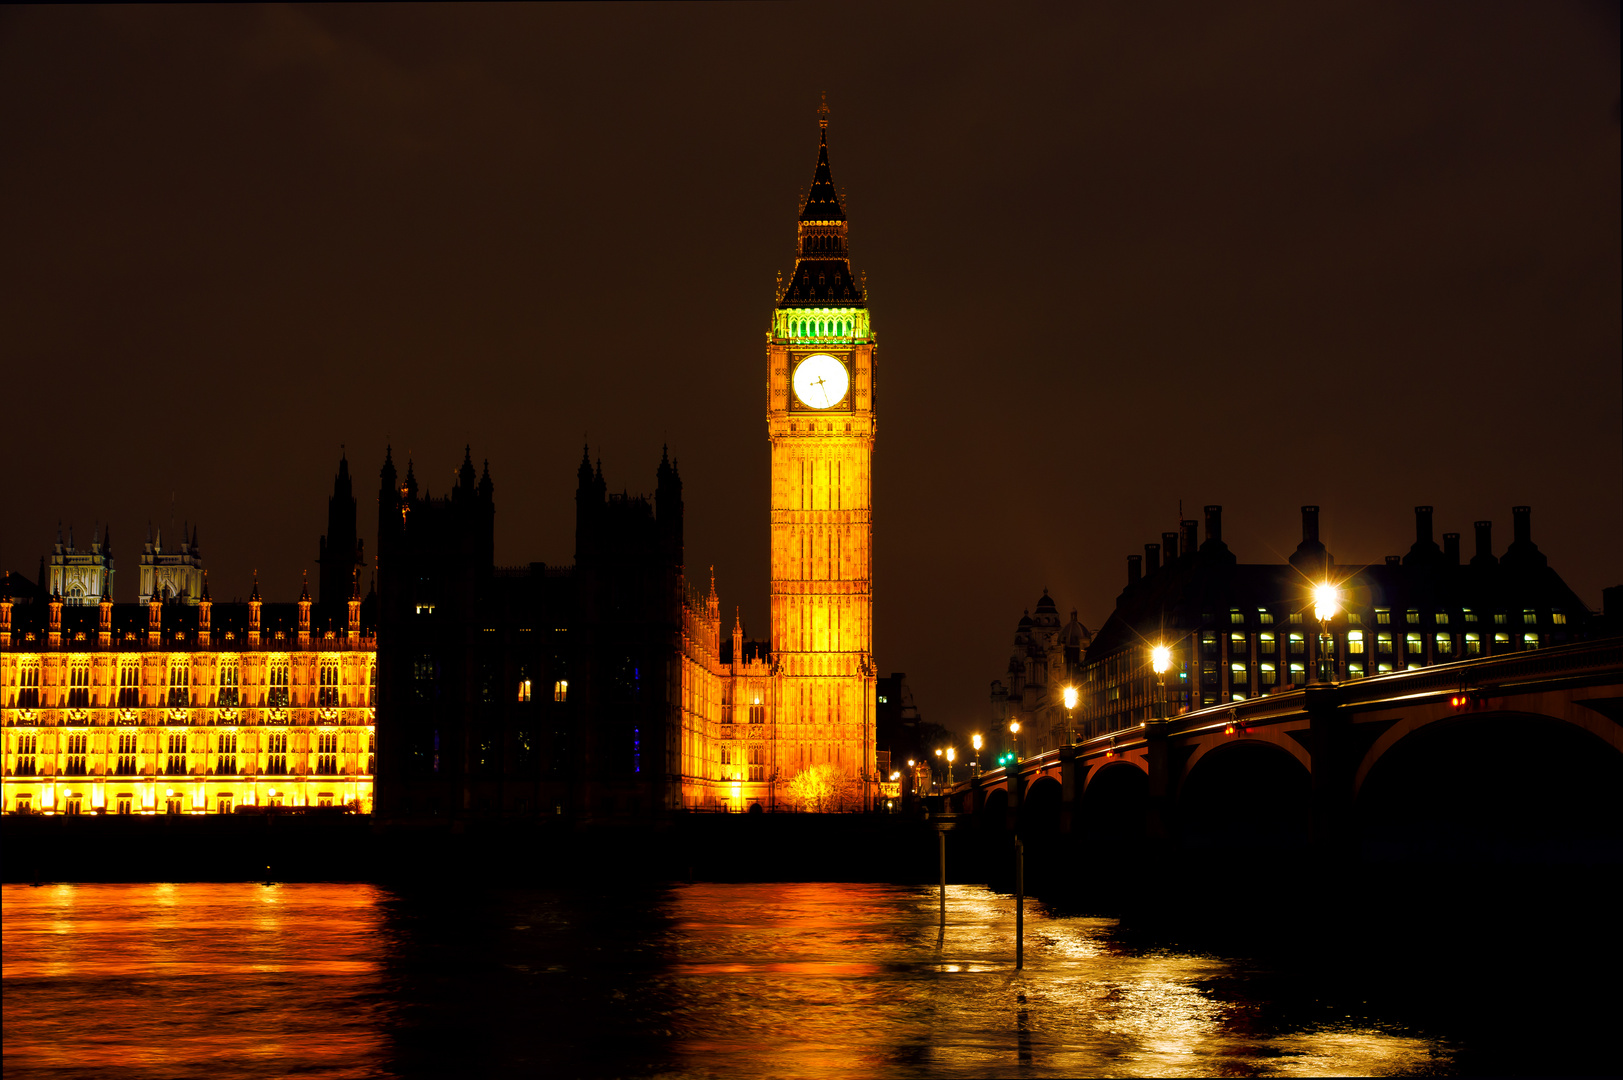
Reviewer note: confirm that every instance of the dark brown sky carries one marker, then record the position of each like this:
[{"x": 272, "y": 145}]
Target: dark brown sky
[{"x": 1360, "y": 255}]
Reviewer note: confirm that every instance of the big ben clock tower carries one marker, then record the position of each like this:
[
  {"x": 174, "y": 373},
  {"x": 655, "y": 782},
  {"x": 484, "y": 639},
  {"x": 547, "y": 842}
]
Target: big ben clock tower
[{"x": 820, "y": 420}]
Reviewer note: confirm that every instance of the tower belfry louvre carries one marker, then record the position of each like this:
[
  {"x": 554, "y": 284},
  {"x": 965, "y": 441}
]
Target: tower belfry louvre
[{"x": 821, "y": 426}]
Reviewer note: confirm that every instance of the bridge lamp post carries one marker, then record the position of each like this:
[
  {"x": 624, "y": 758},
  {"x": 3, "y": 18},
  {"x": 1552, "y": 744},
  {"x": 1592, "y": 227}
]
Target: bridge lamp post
[
  {"x": 1161, "y": 660},
  {"x": 1014, "y": 730},
  {"x": 1326, "y": 606},
  {"x": 951, "y": 756},
  {"x": 1070, "y": 708},
  {"x": 976, "y": 764}
]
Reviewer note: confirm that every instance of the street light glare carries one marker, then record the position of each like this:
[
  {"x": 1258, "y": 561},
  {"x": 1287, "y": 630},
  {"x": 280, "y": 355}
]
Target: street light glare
[
  {"x": 951, "y": 753},
  {"x": 1070, "y": 697},
  {"x": 1326, "y": 601},
  {"x": 1014, "y": 726},
  {"x": 976, "y": 739},
  {"x": 1161, "y": 658}
]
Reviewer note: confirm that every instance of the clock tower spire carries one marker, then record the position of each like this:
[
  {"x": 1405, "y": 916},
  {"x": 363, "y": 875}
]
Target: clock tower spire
[{"x": 821, "y": 425}]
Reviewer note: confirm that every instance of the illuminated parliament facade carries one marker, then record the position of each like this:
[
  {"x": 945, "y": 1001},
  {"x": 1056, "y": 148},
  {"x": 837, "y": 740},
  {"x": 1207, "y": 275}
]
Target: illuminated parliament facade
[{"x": 177, "y": 704}]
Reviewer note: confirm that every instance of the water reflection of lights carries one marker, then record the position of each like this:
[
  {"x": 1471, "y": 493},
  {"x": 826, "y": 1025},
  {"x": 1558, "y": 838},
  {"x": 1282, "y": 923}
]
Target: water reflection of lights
[{"x": 795, "y": 980}]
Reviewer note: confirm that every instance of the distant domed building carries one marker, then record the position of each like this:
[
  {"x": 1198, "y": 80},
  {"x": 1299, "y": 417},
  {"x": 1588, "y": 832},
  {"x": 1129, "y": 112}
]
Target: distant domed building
[{"x": 1047, "y": 657}]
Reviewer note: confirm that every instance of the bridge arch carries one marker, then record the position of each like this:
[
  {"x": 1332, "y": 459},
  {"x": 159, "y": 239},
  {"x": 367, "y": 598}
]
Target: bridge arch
[
  {"x": 1276, "y": 736},
  {"x": 1245, "y": 797},
  {"x": 994, "y": 811},
  {"x": 1561, "y": 709},
  {"x": 1115, "y": 802},
  {"x": 1499, "y": 786},
  {"x": 1041, "y": 806}
]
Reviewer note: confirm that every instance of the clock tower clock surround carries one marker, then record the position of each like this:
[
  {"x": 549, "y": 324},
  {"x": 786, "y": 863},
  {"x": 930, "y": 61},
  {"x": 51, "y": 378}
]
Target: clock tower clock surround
[{"x": 821, "y": 351}]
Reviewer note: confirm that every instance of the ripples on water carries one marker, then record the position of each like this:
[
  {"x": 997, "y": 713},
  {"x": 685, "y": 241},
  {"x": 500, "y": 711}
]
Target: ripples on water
[{"x": 793, "y": 980}]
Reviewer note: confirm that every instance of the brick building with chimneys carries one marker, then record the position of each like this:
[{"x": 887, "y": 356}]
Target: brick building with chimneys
[{"x": 1240, "y": 631}]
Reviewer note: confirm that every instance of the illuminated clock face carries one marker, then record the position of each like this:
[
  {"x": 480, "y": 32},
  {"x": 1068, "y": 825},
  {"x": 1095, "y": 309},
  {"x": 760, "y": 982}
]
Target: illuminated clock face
[{"x": 821, "y": 381}]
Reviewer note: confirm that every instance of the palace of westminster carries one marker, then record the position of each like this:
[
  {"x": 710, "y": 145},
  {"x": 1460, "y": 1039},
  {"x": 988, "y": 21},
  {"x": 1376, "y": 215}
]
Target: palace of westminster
[
  {"x": 615, "y": 686},
  {"x": 609, "y": 687}
]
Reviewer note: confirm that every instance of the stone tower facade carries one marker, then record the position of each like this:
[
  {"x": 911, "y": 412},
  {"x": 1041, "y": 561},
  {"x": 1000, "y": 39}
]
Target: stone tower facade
[
  {"x": 821, "y": 424},
  {"x": 82, "y": 578}
]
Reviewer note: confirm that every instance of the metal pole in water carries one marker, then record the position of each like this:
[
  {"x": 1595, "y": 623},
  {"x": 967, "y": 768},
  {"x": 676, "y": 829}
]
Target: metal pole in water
[
  {"x": 941, "y": 841},
  {"x": 1019, "y": 904}
]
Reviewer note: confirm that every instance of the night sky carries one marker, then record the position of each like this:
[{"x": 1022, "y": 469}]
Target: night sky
[{"x": 1360, "y": 255}]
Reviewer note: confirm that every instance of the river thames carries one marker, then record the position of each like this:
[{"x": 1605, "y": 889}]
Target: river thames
[{"x": 790, "y": 980}]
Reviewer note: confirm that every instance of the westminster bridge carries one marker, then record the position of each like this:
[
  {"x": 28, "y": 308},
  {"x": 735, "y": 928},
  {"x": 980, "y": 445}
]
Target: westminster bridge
[{"x": 1433, "y": 762}]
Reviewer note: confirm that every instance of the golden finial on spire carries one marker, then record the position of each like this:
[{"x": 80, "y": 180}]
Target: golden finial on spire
[{"x": 822, "y": 112}]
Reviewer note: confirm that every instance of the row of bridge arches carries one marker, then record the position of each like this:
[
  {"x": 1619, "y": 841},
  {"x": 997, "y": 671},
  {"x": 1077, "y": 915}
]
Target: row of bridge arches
[{"x": 1486, "y": 787}]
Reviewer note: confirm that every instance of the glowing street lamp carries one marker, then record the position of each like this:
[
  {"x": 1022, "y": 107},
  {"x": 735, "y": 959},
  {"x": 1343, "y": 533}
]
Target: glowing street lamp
[
  {"x": 975, "y": 740},
  {"x": 1070, "y": 708},
  {"x": 1161, "y": 661},
  {"x": 1326, "y": 606}
]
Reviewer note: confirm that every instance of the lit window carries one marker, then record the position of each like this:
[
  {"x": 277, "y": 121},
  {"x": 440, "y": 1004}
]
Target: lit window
[
  {"x": 1383, "y": 616},
  {"x": 1558, "y": 618},
  {"x": 1529, "y": 641},
  {"x": 1355, "y": 671},
  {"x": 1296, "y": 617},
  {"x": 1501, "y": 639},
  {"x": 524, "y": 689},
  {"x": 1470, "y": 616},
  {"x": 1298, "y": 673},
  {"x": 229, "y": 676},
  {"x": 278, "y": 684},
  {"x": 1445, "y": 644},
  {"x": 1355, "y": 641},
  {"x": 1412, "y": 615},
  {"x": 1237, "y": 645},
  {"x": 329, "y": 682},
  {"x": 224, "y": 804},
  {"x": 1237, "y": 617},
  {"x": 1355, "y": 618},
  {"x": 1270, "y": 675},
  {"x": 1442, "y": 618},
  {"x": 1265, "y": 617},
  {"x": 560, "y": 690},
  {"x": 1499, "y": 618},
  {"x": 1473, "y": 644},
  {"x": 1382, "y": 668},
  {"x": 1238, "y": 674},
  {"x": 1414, "y": 645},
  {"x": 1265, "y": 643},
  {"x": 881, "y": 699},
  {"x": 1529, "y": 616},
  {"x": 1297, "y": 644}
]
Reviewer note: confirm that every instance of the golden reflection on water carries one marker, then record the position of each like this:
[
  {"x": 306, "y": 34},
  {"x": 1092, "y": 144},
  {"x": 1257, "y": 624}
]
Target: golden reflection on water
[
  {"x": 196, "y": 979},
  {"x": 790, "y": 980},
  {"x": 839, "y": 980}
]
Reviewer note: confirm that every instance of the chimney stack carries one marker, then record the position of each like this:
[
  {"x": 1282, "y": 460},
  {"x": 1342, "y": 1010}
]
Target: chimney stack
[
  {"x": 1422, "y": 525},
  {"x": 1484, "y": 545},
  {"x": 1310, "y": 524},
  {"x": 1190, "y": 540},
  {"x": 1522, "y": 527},
  {"x": 1214, "y": 524},
  {"x": 1133, "y": 569},
  {"x": 1169, "y": 544},
  {"x": 1152, "y": 558},
  {"x": 1451, "y": 548}
]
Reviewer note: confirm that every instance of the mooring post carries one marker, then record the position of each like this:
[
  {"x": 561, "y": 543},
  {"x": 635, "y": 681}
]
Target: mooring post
[
  {"x": 1019, "y": 904},
  {"x": 941, "y": 844}
]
